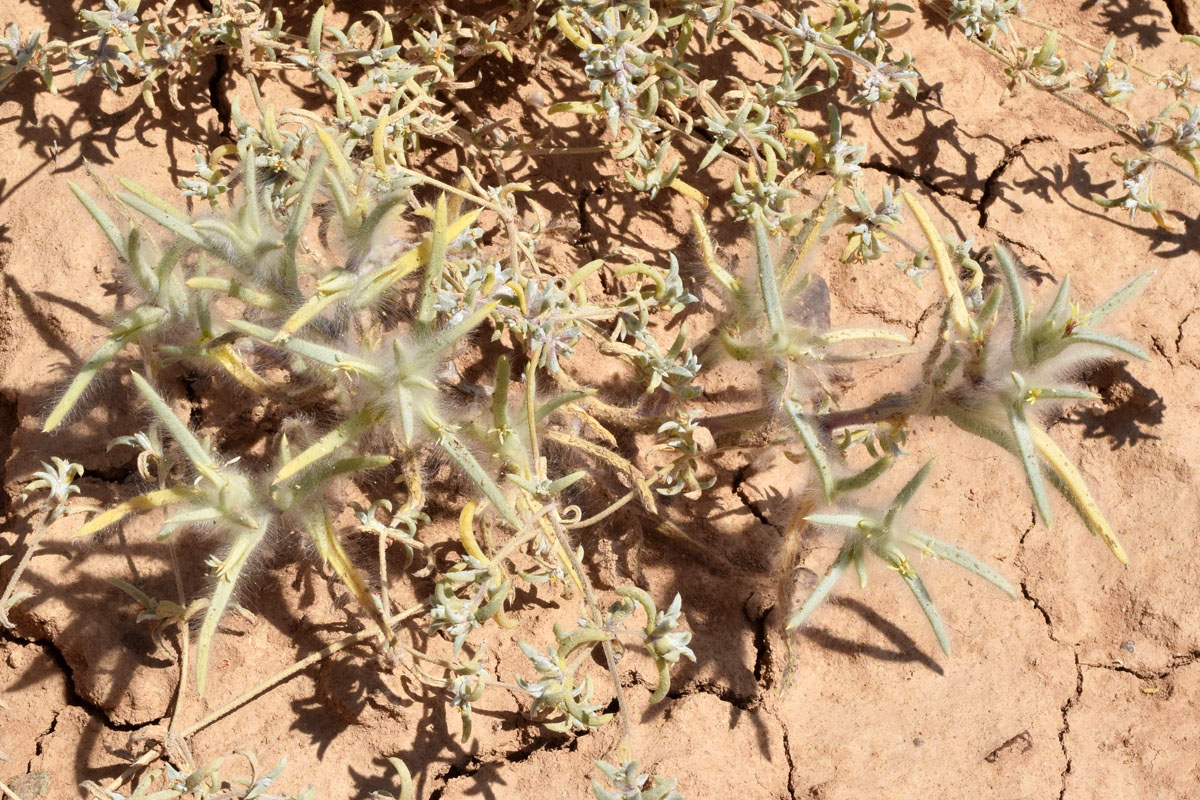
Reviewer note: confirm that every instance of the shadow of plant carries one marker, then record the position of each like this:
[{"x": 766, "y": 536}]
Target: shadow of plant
[
  {"x": 1076, "y": 182},
  {"x": 1132, "y": 19},
  {"x": 1131, "y": 409},
  {"x": 904, "y": 650}
]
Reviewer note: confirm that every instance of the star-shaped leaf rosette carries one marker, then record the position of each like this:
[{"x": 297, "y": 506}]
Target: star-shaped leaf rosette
[
  {"x": 884, "y": 533},
  {"x": 994, "y": 386}
]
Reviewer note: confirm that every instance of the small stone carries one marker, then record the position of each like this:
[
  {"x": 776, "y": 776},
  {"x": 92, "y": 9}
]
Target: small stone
[
  {"x": 32, "y": 786},
  {"x": 918, "y": 742},
  {"x": 1128, "y": 646}
]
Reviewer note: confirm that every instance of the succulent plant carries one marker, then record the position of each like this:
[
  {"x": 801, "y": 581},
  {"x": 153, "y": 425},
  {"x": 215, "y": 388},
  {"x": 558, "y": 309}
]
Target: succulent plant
[{"x": 336, "y": 266}]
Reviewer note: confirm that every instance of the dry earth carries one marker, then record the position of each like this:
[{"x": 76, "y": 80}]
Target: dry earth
[{"x": 1086, "y": 687}]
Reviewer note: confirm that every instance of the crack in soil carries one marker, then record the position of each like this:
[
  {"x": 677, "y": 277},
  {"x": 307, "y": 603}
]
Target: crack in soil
[
  {"x": 761, "y": 642},
  {"x": 728, "y": 694},
  {"x": 989, "y": 184},
  {"x": 1096, "y": 148},
  {"x": 1181, "y": 20},
  {"x": 1009, "y": 240},
  {"x": 73, "y": 697},
  {"x": 1184, "y": 660},
  {"x": 1027, "y": 531},
  {"x": 475, "y": 763},
  {"x": 899, "y": 172},
  {"x": 470, "y": 767},
  {"x": 467, "y": 769},
  {"x": 1065, "y": 709},
  {"x": 1144, "y": 675},
  {"x": 1179, "y": 331},
  {"x": 1066, "y": 724},
  {"x": 787, "y": 755},
  {"x": 724, "y": 694},
  {"x": 1033, "y": 601},
  {"x": 739, "y": 479},
  {"x": 1177, "y": 660},
  {"x": 1157, "y": 344},
  {"x": 37, "y": 744}
]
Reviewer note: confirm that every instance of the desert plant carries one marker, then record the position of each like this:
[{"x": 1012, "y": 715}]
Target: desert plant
[
  {"x": 182, "y": 778},
  {"x": 334, "y": 267},
  {"x": 57, "y": 481},
  {"x": 223, "y": 284},
  {"x": 629, "y": 784}
]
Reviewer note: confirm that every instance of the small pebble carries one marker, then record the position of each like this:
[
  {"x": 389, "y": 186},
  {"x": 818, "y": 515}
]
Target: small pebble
[
  {"x": 32, "y": 786},
  {"x": 917, "y": 742},
  {"x": 1128, "y": 646}
]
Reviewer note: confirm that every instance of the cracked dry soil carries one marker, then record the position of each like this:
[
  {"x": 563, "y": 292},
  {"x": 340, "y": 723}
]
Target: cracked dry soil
[{"x": 1085, "y": 687}]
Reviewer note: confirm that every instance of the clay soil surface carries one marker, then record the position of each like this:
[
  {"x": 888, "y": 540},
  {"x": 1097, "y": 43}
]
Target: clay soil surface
[{"x": 1087, "y": 686}]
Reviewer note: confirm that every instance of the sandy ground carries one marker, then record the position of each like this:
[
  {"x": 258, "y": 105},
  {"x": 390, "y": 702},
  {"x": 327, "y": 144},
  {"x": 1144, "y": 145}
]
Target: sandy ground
[{"x": 1086, "y": 687}]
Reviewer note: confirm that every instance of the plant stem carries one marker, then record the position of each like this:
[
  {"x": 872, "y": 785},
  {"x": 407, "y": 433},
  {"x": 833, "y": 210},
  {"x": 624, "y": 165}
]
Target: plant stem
[
  {"x": 610, "y": 656},
  {"x": 185, "y": 640},
  {"x": 1059, "y": 94},
  {"x": 34, "y": 540},
  {"x": 277, "y": 678}
]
